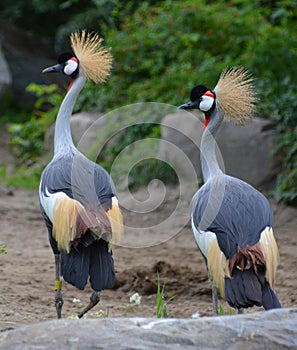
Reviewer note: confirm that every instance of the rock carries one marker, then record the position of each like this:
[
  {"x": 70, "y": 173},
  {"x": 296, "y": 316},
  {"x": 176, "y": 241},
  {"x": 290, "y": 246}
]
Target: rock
[
  {"x": 274, "y": 330},
  {"x": 26, "y": 57},
  {"x": 182, "y": 131},
  {"x": 245, "y": 152},
  {"x": 5, "y": 191},
  {"x": 5, "y": 75},
  {"x": 6, "y": 158}
]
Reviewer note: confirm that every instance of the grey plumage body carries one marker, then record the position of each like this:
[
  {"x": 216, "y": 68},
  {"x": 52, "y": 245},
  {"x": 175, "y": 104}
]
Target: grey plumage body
[
  {"x": 234, "y": 210},
  {"x": 77, "y": 197},
  {"x": 231, "y": 220},
  {"x": 91, "y": 185}
]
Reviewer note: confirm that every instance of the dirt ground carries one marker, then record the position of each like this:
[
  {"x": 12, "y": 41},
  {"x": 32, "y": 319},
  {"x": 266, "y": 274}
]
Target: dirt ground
[{"x": 152, "y": 244}]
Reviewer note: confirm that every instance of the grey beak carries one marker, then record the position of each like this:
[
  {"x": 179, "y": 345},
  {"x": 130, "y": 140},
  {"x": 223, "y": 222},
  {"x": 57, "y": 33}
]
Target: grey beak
[
  {"x": 57, "y": 68},
  {"x": 189, "y": 105}
]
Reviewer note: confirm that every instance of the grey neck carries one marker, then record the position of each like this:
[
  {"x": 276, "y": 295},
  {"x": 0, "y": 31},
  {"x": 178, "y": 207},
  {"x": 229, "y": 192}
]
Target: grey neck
[
  {"x": 209, "y": 164},
  {"x": 63, "y": 140}
]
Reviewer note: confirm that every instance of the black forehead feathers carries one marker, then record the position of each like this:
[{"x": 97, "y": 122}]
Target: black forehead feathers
[
  {"x": 197, "y": 92},
  {"x": 65, "y": 56}
]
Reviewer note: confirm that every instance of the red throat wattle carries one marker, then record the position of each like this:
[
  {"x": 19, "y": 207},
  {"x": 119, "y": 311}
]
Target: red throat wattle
[
  {"x": 206, "y": 121},
  {"x": 70, "y": 85}
]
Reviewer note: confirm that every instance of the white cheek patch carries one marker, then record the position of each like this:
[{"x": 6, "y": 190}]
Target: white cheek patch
[
  {"x": 206, "y": 103},
  {"x": 71, "y": 66}
]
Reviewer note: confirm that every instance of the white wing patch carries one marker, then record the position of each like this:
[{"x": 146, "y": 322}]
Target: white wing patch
[
  {"x": 49, "y": 201},
  {"x": 203, "y": 238}
]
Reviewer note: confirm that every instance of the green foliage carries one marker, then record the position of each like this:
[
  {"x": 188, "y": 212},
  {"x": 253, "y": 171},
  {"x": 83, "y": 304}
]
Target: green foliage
[
  {"x": 3, "y": 249},
  {"x": 149, "y": 169},
  {"x": 30, "y": 15},
  {"x": 27, "y": 139},
  {"x": 127, "y": 137},
  {"x": 162, "y": 51},
  {"x": 280, "y": 100},
  {"x": 161, "y": 304},
  {"x": 230, "y": 312},
  {"x": 145, "y": 169},
  {"x": 63, "y": 17},
  {"x": 286, "y": 189},
  {"x": 22, "y": 176},
  {"x": 12, "y": 110}
]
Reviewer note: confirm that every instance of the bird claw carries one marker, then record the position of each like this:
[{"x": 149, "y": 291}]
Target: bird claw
[
  {"x": 58, "y": 303},
  {"x": 94, "y": 300}
]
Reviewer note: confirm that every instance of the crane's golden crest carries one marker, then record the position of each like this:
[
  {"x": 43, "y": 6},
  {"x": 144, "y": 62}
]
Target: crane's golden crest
[
  {"x": 235, "y": 95},
  {"x": 95, "y": 60}
]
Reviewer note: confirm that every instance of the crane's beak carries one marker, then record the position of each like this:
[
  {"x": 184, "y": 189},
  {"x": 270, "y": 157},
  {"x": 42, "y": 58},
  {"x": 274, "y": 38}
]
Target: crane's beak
[
  {"x": 58, "y": 68},
  {"x": 189, "y": 105}
]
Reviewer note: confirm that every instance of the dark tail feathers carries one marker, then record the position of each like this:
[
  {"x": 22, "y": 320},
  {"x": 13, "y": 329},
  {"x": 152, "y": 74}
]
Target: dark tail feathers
[
  {"x": 247, "y": 288},
  {"x": 93, "y": 261}
]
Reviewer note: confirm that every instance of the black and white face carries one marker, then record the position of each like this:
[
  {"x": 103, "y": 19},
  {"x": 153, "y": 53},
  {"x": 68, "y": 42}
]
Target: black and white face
[
  {"x": 201, "y": 98},
  {"x": 207, "y": 101},
  {"x": 68, "y": 64}
]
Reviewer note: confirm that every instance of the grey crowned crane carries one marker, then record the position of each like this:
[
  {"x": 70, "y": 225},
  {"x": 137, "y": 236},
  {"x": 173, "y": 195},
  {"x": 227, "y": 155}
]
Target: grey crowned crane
[
  {"x": 232, "y": 221},
  {"x": 77, "y": 197}
]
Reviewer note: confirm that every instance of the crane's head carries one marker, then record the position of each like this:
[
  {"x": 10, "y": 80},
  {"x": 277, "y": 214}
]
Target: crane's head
[
  {"x": 233, "y": 97},
  {"x": 201, "y": 98},
  {"x": 68, "y": 64},
  {"x": 88, "y": 58}
]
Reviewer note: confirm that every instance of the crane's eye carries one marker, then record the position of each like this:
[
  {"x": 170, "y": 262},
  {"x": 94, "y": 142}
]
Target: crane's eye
[{"x": 71, "y": 66}]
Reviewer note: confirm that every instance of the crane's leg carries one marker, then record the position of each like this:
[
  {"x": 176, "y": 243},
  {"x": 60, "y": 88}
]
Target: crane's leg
[
  {"x": 94, "y": 300},
  {"x": 58, "y": 286},
  {"x": 214, "y": 293}
]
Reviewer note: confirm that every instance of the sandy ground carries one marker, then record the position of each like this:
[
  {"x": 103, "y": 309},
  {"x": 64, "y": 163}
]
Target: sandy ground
[{"x": 158, "y": 240}]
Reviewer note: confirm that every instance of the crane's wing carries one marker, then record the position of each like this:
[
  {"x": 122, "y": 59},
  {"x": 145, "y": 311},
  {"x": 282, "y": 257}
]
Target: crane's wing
[
  {"x": 77, "y": 195},
  {"x": 232, "y": 225},
  {"x": 233, "y": 210},
  {"x": 80, "y": 179}
]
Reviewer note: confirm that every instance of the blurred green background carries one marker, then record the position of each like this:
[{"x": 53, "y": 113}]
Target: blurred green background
[{"x": 162, "y": 49}]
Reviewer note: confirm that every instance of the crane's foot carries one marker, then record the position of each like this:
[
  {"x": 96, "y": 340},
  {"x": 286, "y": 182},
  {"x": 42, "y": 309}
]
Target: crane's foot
[
  {"x": 94, "y": 300},
  {"x": 240, "y": 311},
  {"x": 58, "y": 303}
]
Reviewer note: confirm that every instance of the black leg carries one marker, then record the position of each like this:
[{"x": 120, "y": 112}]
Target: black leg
[
  {"x": 94, "y": 300},
  {"x": 214, "y": 293},
  {"x": 58, "y": 286}
]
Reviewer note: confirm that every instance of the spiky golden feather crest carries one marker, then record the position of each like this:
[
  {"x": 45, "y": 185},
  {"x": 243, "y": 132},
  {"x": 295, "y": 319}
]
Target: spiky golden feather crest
[
  {"x": 235, "y": 95},
  {"x": 95, "y": 60}
]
